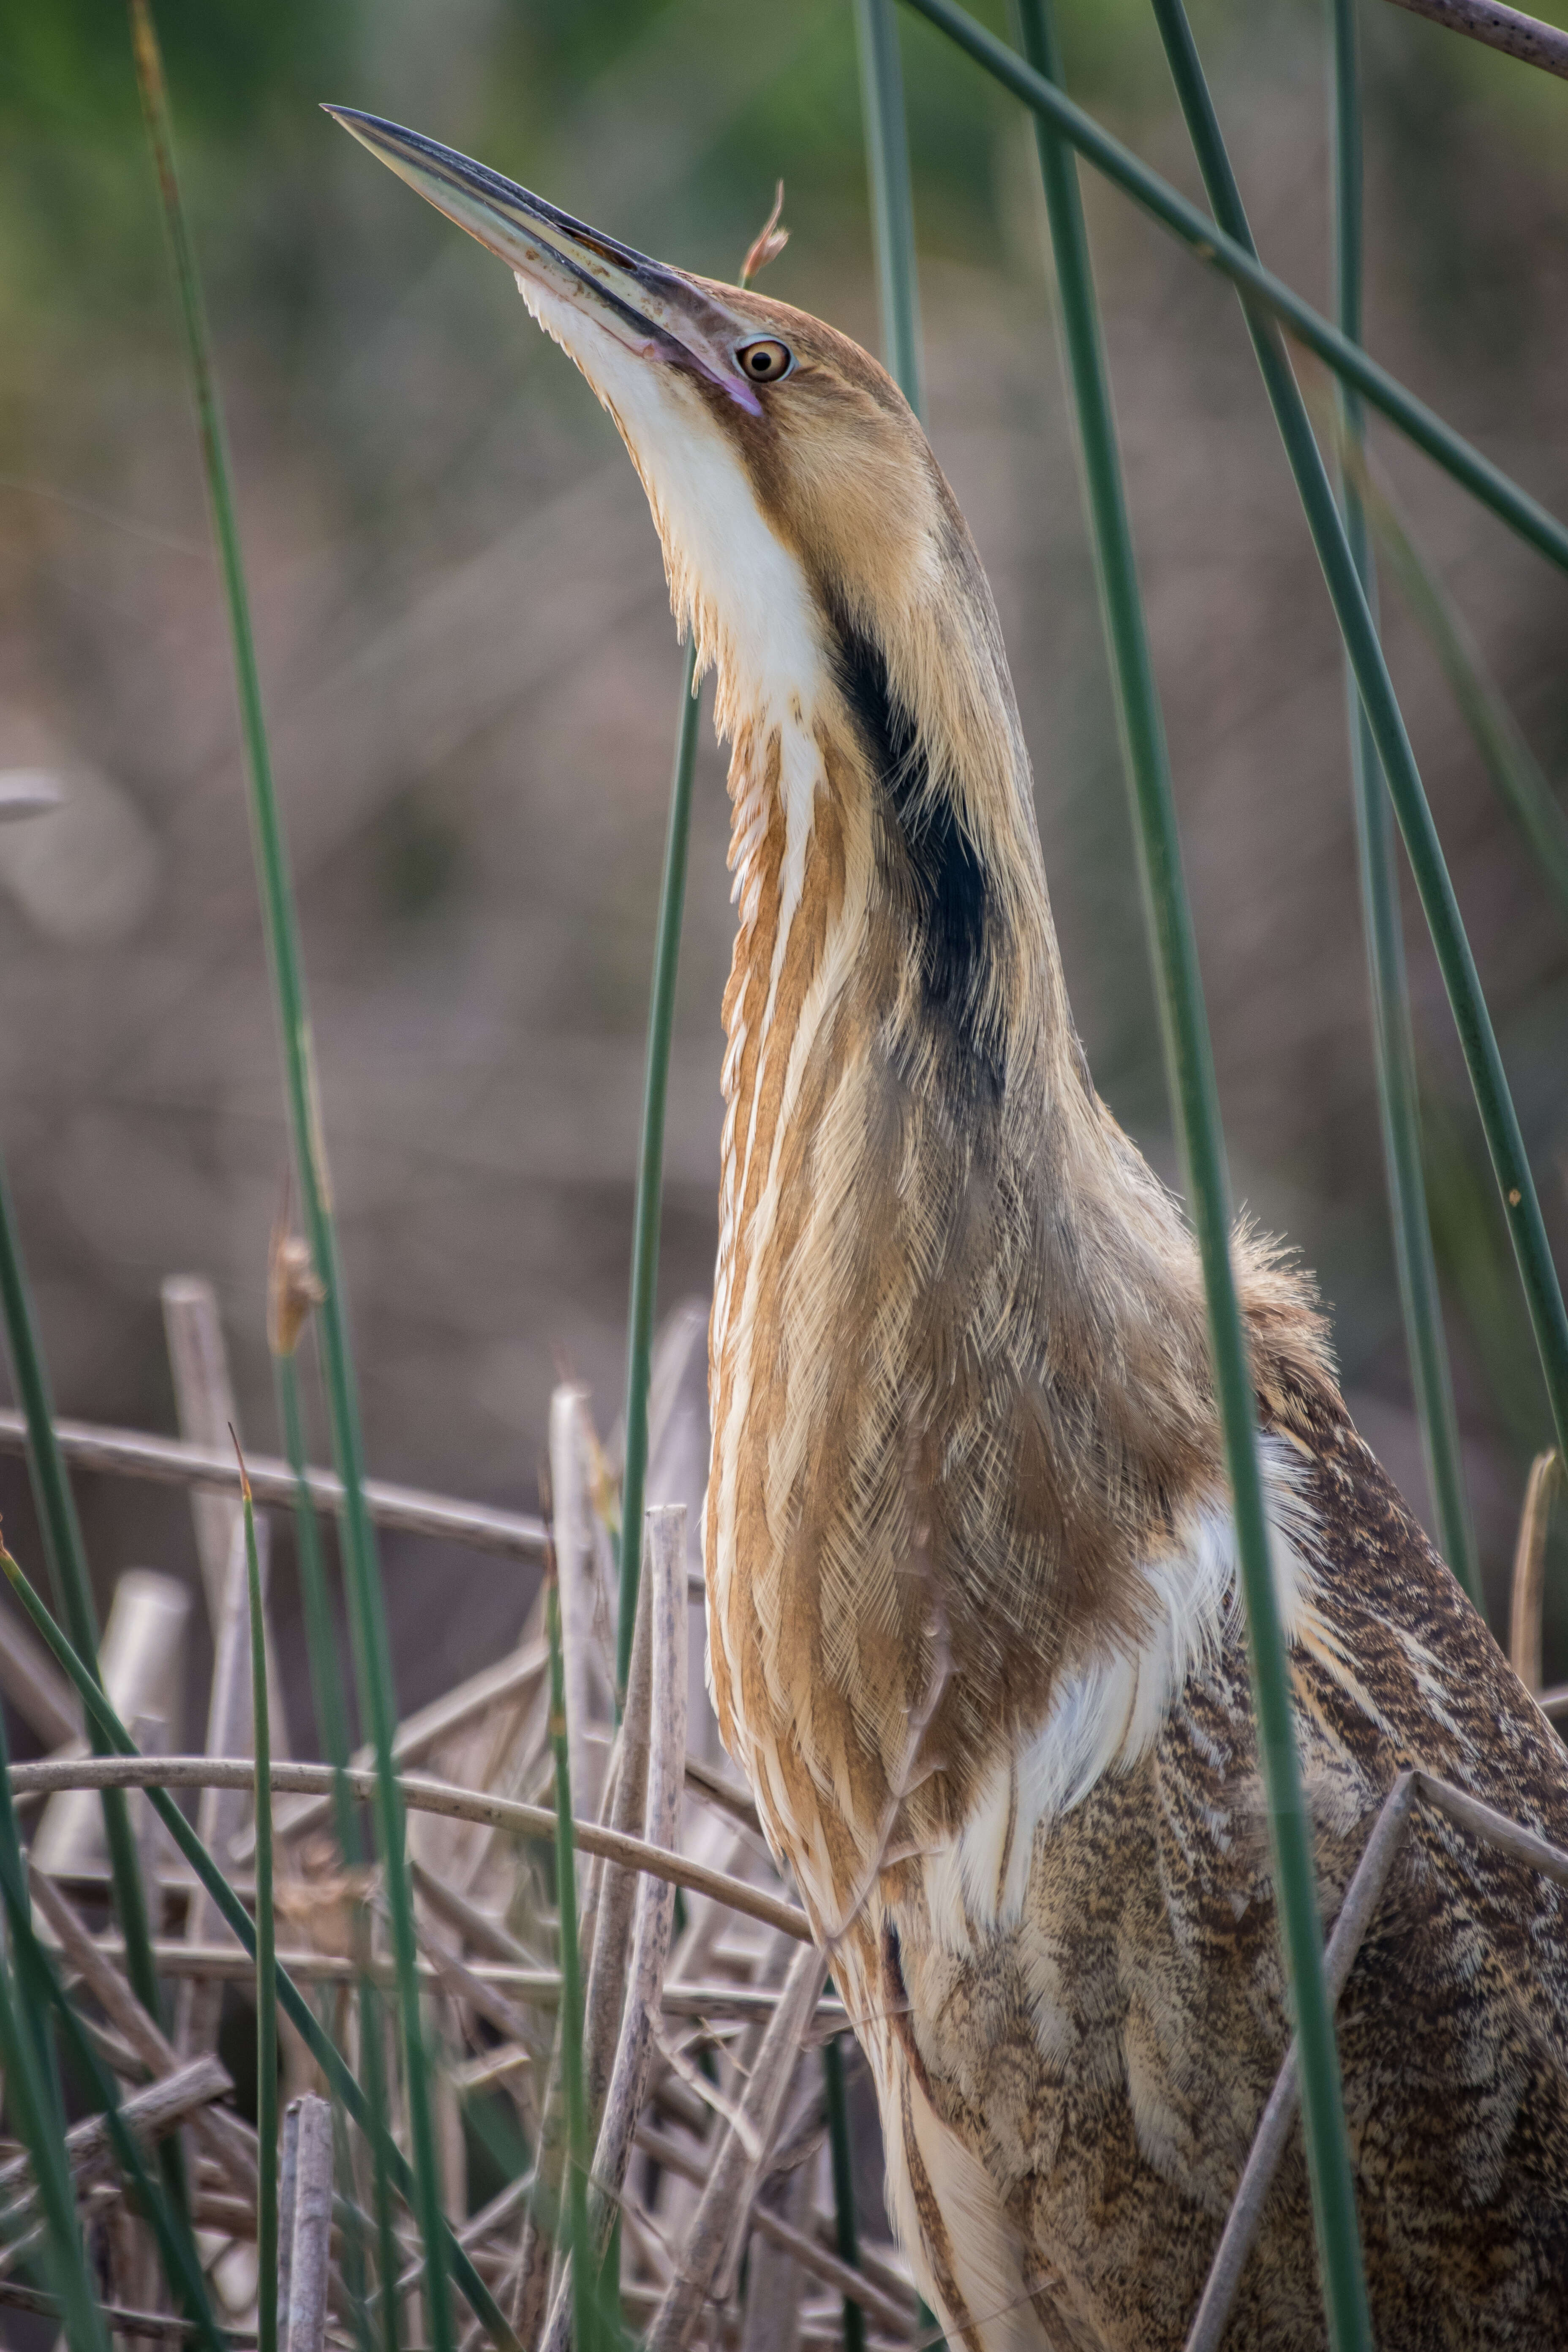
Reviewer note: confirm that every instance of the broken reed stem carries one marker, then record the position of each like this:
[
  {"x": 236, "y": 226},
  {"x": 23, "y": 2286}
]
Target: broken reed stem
[
  {"x": 650, "y": 1163},
  {"x": 1527, "y": 1587},
  {"x": 367, "y": 1612},
  {"x": 584, "y": 2304},
  {"x": 321, "y": 1635},
  {"x": 266, "y": 1949}
]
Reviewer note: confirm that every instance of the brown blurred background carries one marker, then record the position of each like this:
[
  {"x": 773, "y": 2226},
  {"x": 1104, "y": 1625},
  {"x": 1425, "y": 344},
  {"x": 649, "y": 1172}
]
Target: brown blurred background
[{"x": 472, "y": 678}]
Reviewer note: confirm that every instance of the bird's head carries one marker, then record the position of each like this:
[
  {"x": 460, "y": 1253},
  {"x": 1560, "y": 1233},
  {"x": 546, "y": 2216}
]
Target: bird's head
[{"x": 799, "y": 506}]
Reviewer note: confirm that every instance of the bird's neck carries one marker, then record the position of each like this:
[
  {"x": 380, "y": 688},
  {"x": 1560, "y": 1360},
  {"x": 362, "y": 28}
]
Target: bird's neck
[{"x": 957, "y": 1351}]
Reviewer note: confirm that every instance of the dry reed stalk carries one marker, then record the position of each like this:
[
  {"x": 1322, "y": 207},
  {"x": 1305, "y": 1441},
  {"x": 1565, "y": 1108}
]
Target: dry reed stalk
[
  {"x": 662, "y": 1604},
  {"x": 35, "y": 1687},
  {"x": 611, "y": 1890},
  {"x": 168, "y": 1461},
  {"x": 304, "y": 2318},
  {"x": 1498, "y": 27},
  {"x": 419, "y": 1795},
  {"x": 221, "y": 1812},
  {"x": 151, "y": 2113},
  {"x": 576, "y": 1562}
]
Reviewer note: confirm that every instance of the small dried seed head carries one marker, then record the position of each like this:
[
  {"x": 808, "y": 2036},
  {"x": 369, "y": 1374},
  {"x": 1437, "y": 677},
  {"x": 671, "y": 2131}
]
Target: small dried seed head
[{"x": 293, "y": 1288}]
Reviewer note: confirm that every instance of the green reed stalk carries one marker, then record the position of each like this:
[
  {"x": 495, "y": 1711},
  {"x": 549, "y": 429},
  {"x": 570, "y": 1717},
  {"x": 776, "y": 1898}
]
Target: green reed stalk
[
  {"x": 847, "y": 2236},
  {"x": 898, "y": 287},
  {"x": 1393, "y": 1039},
  {"x": 1259, "y": 286},
  {"x": 1521, "y": 1208},
  {"x": 265, "y": 1949},
  {"x": 368, "y": 1617},
  {"x": 1190, "y": 1068},
  {"x": 650, "y": 1163},
  {"x": 892, "y": 200},
  {"x": 322, "y": 2048},
  {"x": 67, "y": 1560},
  {"x": 585, "y": 2331}
]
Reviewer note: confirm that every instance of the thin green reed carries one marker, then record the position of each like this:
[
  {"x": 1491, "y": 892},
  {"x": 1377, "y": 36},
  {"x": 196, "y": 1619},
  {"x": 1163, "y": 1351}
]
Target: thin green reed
[
  {"x": 1235, "y": 259},
  {"x": 1190, "y": 1074},
  {"x": 1521, "y": 1205},
  {"x": 323, "y": 2050},
  {"x": 898, "y": 287},
  {"x": 66, "y": 1557},
  {"x": 650, "y": 1162},
  {"x": 1393, "y": 1040},
  {"x": 892, "y": 200},
  {"x": 367, "y": 1615},
  {"x": 266, "y": 1947}
]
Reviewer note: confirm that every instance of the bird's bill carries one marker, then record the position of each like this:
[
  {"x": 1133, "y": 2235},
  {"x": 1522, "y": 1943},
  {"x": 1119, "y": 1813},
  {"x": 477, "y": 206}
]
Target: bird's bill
[{"x": 657, "y": 312}]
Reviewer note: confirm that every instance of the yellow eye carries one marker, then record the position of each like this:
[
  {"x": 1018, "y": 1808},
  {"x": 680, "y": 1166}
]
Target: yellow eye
[{"x": 765, "y": 362}]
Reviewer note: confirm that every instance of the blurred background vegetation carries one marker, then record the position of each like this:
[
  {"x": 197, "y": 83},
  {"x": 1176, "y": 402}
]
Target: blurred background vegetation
[{"x": 472, "y": 679}]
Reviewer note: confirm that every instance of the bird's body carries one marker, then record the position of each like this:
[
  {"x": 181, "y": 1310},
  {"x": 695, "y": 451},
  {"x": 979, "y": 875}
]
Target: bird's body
[{"x": 974, "y": 1632}]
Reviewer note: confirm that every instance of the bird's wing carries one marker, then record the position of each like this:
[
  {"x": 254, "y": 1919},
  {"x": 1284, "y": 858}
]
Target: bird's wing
[{"x": 1094, "y": 2033}]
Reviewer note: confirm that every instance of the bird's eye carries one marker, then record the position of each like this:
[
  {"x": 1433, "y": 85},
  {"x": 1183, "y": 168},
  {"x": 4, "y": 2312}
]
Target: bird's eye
[{"x": 765, "y": 362}]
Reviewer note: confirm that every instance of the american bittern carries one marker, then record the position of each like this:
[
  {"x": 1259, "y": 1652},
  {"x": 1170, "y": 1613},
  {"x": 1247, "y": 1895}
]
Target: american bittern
[{"x": 973, "y": 1628}]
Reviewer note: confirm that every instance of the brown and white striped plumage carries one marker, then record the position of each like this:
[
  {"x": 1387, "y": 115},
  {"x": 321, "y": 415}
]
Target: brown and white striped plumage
[{"x": 974, "y": 1625}]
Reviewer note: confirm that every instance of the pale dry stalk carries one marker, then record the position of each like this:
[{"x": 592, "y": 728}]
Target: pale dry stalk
[{"x": 662, "y": 1607}]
